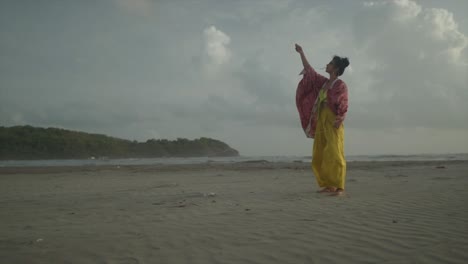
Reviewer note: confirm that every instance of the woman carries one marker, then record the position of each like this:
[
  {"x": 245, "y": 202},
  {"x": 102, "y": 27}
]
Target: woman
[{"x": 322, "y": 104}]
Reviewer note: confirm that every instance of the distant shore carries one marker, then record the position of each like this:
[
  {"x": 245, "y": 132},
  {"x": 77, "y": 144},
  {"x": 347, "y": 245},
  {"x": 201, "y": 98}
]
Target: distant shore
[{"x": 38, "y": 143}]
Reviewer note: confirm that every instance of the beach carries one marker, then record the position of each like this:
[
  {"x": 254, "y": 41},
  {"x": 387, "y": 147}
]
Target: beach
[{"x": 246, "y": 212}]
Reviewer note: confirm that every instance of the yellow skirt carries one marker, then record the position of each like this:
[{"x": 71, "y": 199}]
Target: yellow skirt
[{"x": 328, "y": 160}]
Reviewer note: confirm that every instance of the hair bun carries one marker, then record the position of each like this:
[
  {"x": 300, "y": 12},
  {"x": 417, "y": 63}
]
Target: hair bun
[{"x": 345, "y": 62}]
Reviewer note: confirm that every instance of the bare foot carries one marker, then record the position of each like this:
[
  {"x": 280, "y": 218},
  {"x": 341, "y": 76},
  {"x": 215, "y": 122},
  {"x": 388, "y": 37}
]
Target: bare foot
[
  {"x": 327, "y": 190},
  {"x": 338, "y": 192}
]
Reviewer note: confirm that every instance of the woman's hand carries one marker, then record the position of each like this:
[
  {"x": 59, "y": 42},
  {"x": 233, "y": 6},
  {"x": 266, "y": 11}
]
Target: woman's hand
[{"x": 299, "y": 48}]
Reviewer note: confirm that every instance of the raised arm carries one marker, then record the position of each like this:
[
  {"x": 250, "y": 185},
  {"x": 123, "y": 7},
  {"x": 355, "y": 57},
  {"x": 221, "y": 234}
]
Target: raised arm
[
  {"x": 305, "y": 63},
  {"x": 314, "y": 80},
  {"x": 306, "y": 94}
]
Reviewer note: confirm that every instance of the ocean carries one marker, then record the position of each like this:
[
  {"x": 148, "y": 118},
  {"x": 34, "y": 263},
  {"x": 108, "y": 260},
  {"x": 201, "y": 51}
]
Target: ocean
[{"x": 221, "y": 160}]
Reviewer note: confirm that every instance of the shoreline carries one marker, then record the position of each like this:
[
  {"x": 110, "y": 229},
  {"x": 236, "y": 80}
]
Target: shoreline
[{"x": 255, "y": 164}]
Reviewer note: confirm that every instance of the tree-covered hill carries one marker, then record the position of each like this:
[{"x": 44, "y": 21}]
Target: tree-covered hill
[{"x": 27, "y": 142}]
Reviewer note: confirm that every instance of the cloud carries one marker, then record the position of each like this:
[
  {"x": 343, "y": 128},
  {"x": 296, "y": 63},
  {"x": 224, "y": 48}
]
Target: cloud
[
  {"x": 229, "y": 70},
  {"x": 256, "y": 87},
  {"x": 412, "y": 68},
  {"x": 445, "y": 29},
  {"x": 216, "y": 50}
]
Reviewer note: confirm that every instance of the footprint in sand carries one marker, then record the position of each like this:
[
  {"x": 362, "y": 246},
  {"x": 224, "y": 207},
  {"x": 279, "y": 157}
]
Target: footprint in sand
[
  {"x": 396, "y": 176},
  {"x": 441, "y": 178}
]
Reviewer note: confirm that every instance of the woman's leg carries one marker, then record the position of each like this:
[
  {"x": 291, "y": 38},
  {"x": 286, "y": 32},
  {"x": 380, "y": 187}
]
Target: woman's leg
[
  {"x": 334, "y": 163},
  {"x": 317, "y": 160},
  {"x": 318, "y": 156}
]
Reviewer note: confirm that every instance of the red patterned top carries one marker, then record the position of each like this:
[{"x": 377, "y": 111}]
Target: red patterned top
[{"x": 307, "y": 99}]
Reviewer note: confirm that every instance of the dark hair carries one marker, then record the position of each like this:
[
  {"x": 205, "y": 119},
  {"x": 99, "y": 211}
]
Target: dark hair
[{"x": 340, "y": 63}]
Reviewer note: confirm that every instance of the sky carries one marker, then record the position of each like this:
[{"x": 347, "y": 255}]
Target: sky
[{"x": 142, "y": 69}]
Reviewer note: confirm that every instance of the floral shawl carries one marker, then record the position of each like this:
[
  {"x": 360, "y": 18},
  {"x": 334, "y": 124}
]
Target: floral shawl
[{"x": 307, "y": 99}]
